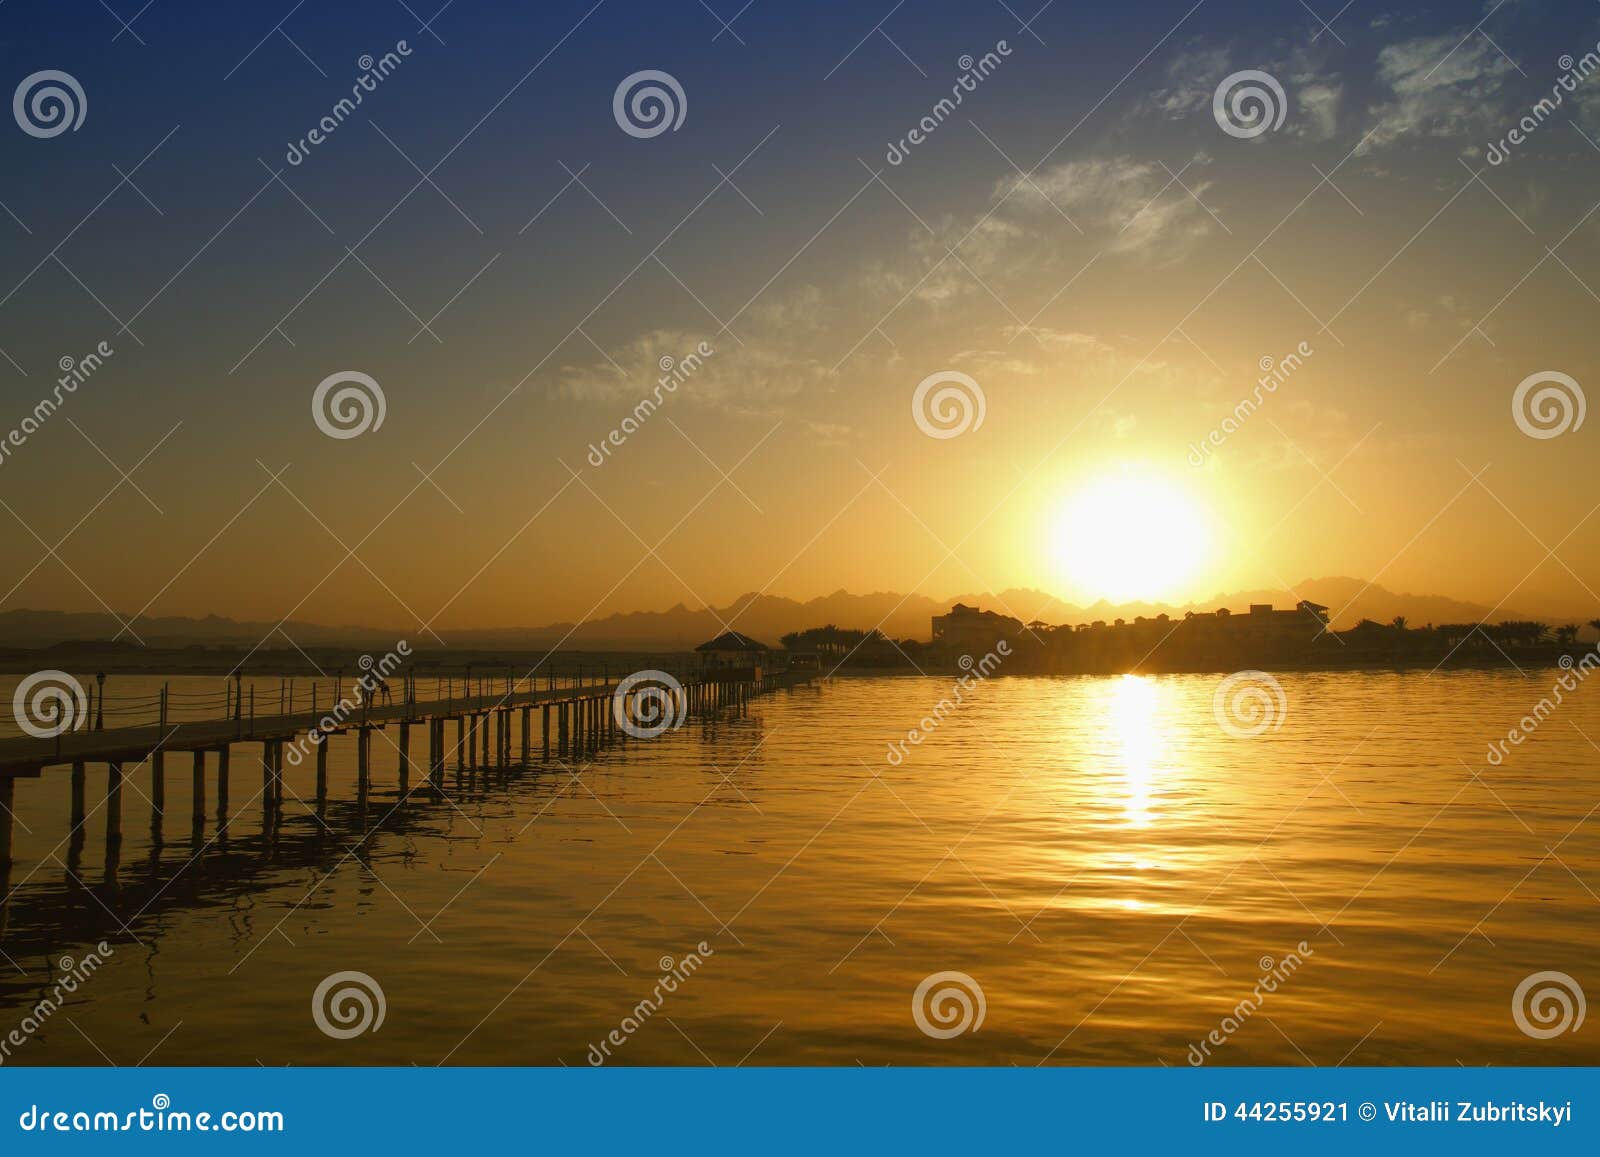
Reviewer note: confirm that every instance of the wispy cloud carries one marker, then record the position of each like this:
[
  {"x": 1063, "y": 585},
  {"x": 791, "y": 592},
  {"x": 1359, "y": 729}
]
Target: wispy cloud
[
  {"x": 1133, "y": 206},
  {"x": 1432, "y": 91}
]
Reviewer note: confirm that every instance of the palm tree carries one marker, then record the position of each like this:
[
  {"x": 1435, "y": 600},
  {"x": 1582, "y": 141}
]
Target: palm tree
[
  {"x": 1567, "y": 635},
  {"x": 1398, "y": 623}
]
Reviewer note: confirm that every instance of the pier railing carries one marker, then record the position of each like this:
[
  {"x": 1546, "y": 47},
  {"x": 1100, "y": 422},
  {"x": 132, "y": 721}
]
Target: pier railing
[{"x": 238, "y": 698}]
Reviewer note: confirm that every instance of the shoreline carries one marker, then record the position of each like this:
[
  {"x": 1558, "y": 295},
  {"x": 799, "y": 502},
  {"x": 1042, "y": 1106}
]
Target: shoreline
[{"x": 564, "y": 663}]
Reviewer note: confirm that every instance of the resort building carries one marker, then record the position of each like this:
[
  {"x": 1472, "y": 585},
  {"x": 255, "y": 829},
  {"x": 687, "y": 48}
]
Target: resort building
[
  {"x": 1263, "y": 623},
  {"x": 967, "y": 629},
  {"x": 731, "y": 649}
]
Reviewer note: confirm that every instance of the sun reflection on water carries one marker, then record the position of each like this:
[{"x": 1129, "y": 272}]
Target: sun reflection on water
[{"x": 1139, "y": 743}]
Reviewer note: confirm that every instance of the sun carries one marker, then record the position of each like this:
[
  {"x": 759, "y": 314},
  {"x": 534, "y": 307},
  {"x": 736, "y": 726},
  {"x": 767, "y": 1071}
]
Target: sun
[{"x": 1130, "y": 537}]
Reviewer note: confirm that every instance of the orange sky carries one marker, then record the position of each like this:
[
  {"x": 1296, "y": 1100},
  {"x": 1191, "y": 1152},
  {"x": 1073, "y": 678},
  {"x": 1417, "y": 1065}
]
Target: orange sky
[{"x": 1113, "y": 309}]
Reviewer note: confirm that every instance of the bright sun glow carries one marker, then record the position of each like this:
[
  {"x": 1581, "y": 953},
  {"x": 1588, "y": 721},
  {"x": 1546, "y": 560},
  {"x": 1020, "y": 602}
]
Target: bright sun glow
[{"x": 1129, "y": 537}]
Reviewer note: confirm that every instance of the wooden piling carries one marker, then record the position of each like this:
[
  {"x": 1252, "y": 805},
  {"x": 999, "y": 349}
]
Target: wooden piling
[
  {"x": 113, "y": 804},
  {"x": 363, "y": 758},
  {"x": 222, "y": 783},
  {"x": 405, "y": 757},
  {"x": 80, "y": 779},
  {"x": 158, "y": 780},
  {"x": 8, "y": 799},
  {"x": 199, "y": 809}
]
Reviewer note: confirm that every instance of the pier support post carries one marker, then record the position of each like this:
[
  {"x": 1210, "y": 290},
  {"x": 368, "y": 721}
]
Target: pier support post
[
  {"x": 113, "y": 805},
  {"x": 527, "y": 737},
  {"x": 405, "y": 757},
  {"x": 483, "y": 730},
  {"x": 266, "y": 776},
  {"x": 80, "y": 779},
  {"x": 158, "y": 781},
  {"x": 545, "y": 711},
  {"x": 222, "y": 784},
  {"x": 8, "y": 799},
  {"x": 363, "y": 758},
  {"x": 322, "y": 772},
  {"x": 199, "y": 809}
]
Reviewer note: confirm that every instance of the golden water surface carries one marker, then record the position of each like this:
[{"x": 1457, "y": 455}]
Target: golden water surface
[{"x": 1113, "y": 870}]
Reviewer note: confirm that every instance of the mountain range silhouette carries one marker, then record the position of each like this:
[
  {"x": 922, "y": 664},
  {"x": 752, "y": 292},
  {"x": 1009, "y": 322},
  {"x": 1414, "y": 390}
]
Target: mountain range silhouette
[{"x": 765, "y": 617}]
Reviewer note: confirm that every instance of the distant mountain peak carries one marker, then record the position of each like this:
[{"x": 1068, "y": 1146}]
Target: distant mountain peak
[{"x": 762, "y": 616}]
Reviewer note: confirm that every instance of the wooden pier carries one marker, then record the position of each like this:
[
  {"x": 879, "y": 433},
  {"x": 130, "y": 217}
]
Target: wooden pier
[{"x": 520, "y": 723}]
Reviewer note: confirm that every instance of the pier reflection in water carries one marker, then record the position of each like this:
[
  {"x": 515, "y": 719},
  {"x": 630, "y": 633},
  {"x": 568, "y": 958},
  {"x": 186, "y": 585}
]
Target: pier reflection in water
[{"x": 1111, "y": 866}]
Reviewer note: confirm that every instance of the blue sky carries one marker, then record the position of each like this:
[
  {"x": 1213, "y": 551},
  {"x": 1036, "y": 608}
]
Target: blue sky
[{"x": 1080, "y": 237}]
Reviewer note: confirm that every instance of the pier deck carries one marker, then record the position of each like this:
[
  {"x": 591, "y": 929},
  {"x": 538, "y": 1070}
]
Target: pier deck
[{"x": 574, "y": 719}]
